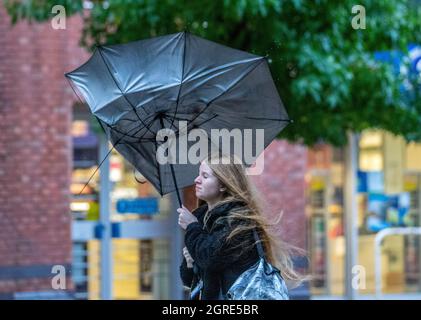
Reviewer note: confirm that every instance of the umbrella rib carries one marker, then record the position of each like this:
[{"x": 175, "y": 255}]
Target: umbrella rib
[
  {"x": 177, "y": 133},
  {"x": 124, "y": 95},
  {"x": 177, "y": 118},
  {"x": 148, "y": 126},
  {"x": 127, "y": 119},
  {"x": 143, "y": 141},
  {"x": 74, "y": 90},
  {"x": 169, "y": 121},
  {"x": 117, "y": 142},
  {"x": 134, "y": 135},
  {"x": 159, "y": 169},
  {"x": 220, "y": 95},
  {"x": 182, "y": 79},
  {"x": 167, "y": 118},
  {"x": 99, "y": 121},
  {"x": 254, "y": 118},
  {"x": 271, "y": 119},
  {"x": 216, "y": 70},
  {"x": 99, "y": 166},
  {"x": 139, "y": 139},
  {"x": 127, "y": 134}
]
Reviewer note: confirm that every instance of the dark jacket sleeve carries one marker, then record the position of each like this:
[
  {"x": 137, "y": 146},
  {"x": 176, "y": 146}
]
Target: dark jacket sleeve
[
  {"x": 210, "y": 251},
  {"x": 186, "y": 273}
]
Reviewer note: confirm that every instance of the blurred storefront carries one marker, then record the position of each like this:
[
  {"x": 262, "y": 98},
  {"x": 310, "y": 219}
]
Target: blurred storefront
[
  {"x": 389, "y": 196},
  {"x": 141, "y": 265}
]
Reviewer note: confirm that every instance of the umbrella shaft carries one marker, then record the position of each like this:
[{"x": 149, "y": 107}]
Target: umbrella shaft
[{"x": 172, "y": 170}]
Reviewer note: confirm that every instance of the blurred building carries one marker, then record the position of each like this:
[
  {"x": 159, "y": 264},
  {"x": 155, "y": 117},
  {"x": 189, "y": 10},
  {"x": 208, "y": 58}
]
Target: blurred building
[
  {"x": 50, "y": 149},
  {"x": 35, "y": 155},
  {"x": 388, "y": 195}
]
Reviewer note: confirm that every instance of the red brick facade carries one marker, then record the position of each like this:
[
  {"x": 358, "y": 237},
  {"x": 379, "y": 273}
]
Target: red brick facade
[
  {"x": 282, "y": 187},
  {"x": 35, "y": 151}
]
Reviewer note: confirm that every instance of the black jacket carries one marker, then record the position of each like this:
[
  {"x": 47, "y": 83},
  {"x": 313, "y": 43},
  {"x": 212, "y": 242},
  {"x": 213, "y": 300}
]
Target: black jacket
[{"x": 217, "y": 262}]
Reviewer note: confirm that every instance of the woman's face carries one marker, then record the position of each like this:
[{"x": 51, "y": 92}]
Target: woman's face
[{"x": 207, "y": 185}]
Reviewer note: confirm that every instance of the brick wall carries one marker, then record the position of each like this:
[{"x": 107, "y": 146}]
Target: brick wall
[
  {"x": 282, "y": 188},
  {"x": 35, "y": 151}
]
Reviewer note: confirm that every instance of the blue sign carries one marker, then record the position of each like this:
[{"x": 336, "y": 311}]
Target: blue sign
[
  {"x": 387, "y": 210},
  {"x": 395, "y": 58},
  {"x": 148, "y": 206},
  {"x": 375, "y": 181},
  {"x": 408, "y": 66},
  {"x": 372, "y": 181},
  {"x": 362, "y": 181}
]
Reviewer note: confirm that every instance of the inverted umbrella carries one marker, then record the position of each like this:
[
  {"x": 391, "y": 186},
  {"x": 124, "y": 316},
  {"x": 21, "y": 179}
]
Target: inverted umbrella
[{"x": 138, "y": 88}]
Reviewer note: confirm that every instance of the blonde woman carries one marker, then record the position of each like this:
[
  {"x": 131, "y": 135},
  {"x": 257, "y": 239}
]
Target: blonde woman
[{"x": 219, "y": 238}]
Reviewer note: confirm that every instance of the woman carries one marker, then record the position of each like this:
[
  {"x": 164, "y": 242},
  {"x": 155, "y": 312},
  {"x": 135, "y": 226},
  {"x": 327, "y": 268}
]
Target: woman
[{"x": 219, "y": 236}]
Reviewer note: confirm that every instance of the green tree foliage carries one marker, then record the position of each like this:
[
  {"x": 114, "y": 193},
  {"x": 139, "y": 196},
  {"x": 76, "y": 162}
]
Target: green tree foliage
[{"x": 324, "y": 69}]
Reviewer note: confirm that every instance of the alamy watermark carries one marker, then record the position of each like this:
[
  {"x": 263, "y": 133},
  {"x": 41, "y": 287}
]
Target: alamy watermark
[
  {"x": 358, "y": 21},
  {"x": 59, "y": 20},
  {"x": 58, "y": 282},
  {"x": 359, "y": 277},
  {"x": 246, "y": 144}
]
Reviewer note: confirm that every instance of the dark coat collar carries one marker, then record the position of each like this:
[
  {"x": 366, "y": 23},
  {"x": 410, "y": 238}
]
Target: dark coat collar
[{"x": 216, "y": 212}]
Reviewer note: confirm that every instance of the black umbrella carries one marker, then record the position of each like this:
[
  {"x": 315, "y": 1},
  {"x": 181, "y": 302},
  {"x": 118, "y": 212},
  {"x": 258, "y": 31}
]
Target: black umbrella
[{"x": 136, "y": 89}]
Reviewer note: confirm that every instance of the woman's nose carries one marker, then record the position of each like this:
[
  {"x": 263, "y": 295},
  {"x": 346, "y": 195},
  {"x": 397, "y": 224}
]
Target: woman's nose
[{"x": 197, "y": 180}]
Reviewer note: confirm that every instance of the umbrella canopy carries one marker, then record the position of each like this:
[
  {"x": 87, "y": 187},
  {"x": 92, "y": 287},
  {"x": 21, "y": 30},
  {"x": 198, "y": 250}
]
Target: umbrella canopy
[{"x": 138, "y": 88}]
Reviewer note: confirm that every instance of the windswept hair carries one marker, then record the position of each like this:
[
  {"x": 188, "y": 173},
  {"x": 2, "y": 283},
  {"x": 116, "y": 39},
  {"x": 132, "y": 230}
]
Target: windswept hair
[{"x": 231, "y": 173}]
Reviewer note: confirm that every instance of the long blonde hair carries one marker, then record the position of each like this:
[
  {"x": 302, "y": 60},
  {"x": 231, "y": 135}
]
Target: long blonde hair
[{"x": 231, "y": 173}]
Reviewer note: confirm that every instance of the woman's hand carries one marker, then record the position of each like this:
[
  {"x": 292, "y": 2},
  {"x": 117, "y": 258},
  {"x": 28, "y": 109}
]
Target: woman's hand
[
  {"x": 185, "y": 217},
  {"x": 188, "y": 257}
]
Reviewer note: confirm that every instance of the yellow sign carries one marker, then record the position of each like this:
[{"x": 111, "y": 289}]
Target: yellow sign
[
  {"x": 317, "y": 184},
  {"x": 413, "y": 157},
  {"x": 394, "y": 153},
  {"x": 410, "y": 183}
]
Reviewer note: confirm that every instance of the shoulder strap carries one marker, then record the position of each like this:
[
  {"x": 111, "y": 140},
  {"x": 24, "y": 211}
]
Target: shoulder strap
[
  {"x": 197, "y": 284},
  {"x": 259, "y": 244}
]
